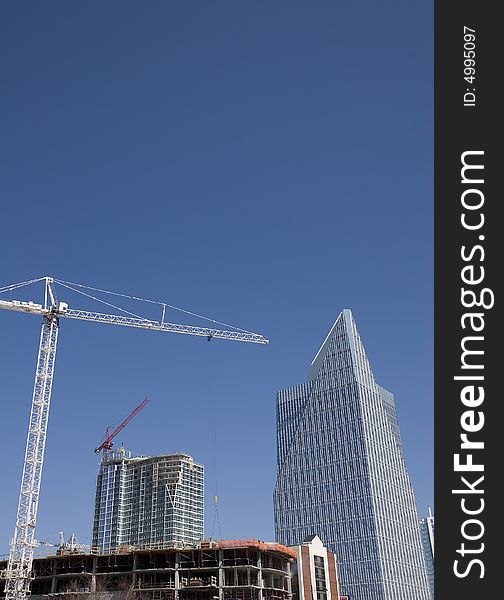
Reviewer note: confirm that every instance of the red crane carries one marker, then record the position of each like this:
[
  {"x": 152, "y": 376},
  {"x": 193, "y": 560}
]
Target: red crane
[{"x": 107, "y": 443}]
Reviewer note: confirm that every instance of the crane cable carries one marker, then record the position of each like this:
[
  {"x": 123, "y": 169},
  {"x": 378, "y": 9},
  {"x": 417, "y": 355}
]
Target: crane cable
[
  {"x": 100, "y": 300},
  {"x": 213, "y": 434},
  {"x": 137, "y": 298},
  {"x": 15, "y": 286}
]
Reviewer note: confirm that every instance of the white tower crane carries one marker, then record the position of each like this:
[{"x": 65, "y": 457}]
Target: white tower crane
[{"x": 18, "y": 573}]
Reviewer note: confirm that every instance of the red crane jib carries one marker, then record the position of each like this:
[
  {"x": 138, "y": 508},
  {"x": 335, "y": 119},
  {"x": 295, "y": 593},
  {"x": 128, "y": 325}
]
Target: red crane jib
[{"x": 107, "y": 443}]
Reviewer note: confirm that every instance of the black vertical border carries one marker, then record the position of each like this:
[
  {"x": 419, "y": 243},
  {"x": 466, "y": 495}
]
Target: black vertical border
[{"x": 459, "y": 129}]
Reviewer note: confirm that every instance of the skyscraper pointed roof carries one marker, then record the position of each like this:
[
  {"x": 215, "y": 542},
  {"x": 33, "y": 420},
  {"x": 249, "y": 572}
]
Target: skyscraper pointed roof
[{"x": 346, "y": 316}]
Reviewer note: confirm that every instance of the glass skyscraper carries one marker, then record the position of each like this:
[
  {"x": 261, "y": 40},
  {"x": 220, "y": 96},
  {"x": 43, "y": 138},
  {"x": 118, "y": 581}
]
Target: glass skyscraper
[
  {"x": 342, "y": 476},
  {"x": 148, "y": 501}
]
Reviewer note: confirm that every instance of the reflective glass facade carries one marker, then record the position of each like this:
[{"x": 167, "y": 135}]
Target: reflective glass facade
[
  {"x": 427, "y": 531},
  {"x": 148, "y": 501},
  {"x": 341, "y": 473}
]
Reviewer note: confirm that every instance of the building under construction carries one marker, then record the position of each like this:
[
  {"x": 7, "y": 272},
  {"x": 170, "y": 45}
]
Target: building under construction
[
  {"x": 210, "y": 570},
  {"x": 18, "y": 570},
  {"x": 143, "y": 500}
]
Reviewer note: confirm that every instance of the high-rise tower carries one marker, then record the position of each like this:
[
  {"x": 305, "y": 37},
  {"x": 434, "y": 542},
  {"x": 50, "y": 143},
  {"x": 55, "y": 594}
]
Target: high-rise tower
[
  {"x": 342, "y": 476},
  {"x": 146, "y": 500}
]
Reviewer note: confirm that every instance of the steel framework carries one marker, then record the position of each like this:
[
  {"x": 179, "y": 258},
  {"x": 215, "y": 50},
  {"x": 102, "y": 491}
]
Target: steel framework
[
  {"x": 18, "y": 573},
  {"x": 19, "y": 566}
]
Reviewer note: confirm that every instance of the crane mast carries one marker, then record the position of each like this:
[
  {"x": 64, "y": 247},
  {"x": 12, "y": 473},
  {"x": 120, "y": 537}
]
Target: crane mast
[
  {"x": 18, "y": 573},
  {"x": 19, "y": 566}
]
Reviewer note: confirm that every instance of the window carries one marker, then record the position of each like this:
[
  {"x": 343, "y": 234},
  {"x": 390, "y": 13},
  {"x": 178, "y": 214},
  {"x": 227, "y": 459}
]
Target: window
[{"x": 320, "y": 579}]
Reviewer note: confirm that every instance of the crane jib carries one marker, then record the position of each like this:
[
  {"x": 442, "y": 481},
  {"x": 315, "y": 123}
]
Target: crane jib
[{"x": 127, "y": 321}]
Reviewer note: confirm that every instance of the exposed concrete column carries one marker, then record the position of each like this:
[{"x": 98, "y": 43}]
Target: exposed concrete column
[
  {"x": 220, "y": 578},
  {"x": 134, "y": 578},
  {"x": 176, "y": 577},
  {"x": 289, "y": 577},
  {"x": 93, "y": 575},
  {"x": 54, "y": 580},
  {"x": 260, "y": 576}
]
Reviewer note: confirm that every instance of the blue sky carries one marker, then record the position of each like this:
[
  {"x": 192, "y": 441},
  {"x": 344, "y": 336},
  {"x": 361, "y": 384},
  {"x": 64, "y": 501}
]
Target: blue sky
[{"x": 264, "y": 163}]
